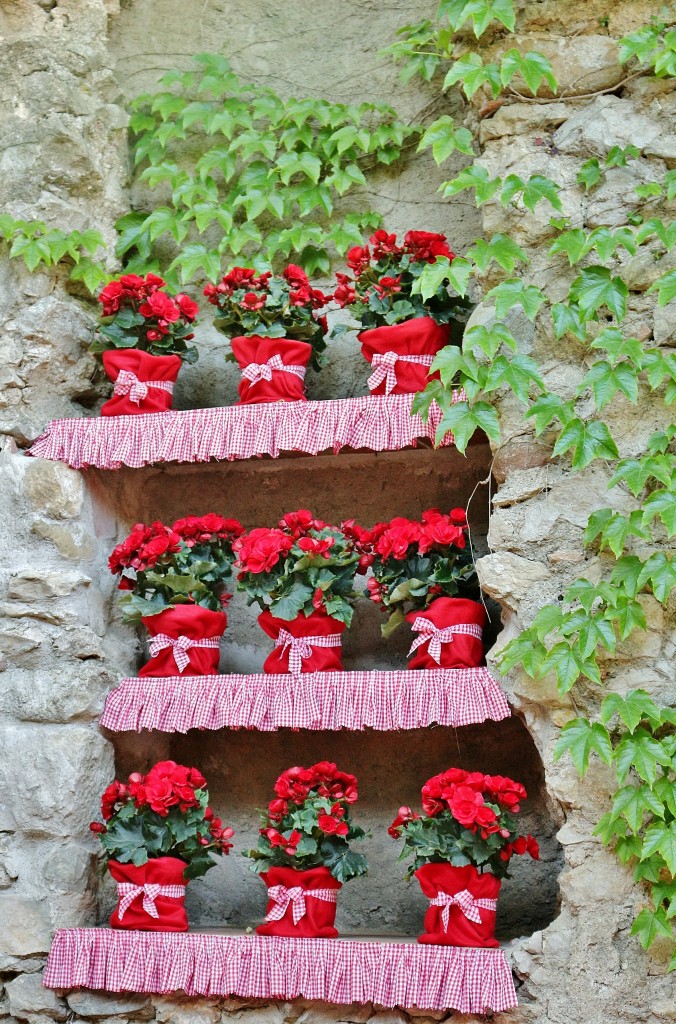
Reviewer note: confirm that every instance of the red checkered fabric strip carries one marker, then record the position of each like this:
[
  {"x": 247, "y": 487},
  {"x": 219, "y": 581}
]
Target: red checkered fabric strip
[
  {"x": 468, "y": 904},
  {"x": 300, "y": 647},
  {"x": 343, "y": 971},
  {"x": 377, "y": 422},
  {"x": 263, "y": 371},
  {"x": 429, "y": 633},
  {"x": 313, "y": 700},
  {"x": 127, "y": 383},
  {"x": 385, "y": 363},
  {"x": 281, "y": 896}
]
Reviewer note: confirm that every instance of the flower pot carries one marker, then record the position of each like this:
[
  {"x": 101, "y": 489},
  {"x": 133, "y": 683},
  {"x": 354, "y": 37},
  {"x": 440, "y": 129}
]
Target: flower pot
[
  {"x": 273, "y": 369},
  {"x": 300, "y": 903},
  {"x": 308, "y": 643},
  {"x": 401, "y": 355},
  {"x": 143, "y": 383},
  {"x": 184, "y": 640},
  {"x": 150, "y": 897},
  {"x": 463, "y": 905},
  {"x": 448, "y": 634}
]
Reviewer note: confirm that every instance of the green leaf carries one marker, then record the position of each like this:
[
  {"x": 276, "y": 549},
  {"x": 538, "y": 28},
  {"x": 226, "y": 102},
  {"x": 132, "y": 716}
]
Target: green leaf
[
  {"x": 533, "y": 67},
  {"x": 632, "y": 709},
  {"x": 445, "y": 137},
  {"x": 659, "y": 572},
  {"x": 640, "y": 751},
  {"x": 501, "y": 248},
  {"x": 595, "y": 288},
  {"x": 573, "y": 243},
  {"x": 632, "y": 802},
  {"x": 532, "y": 191},
  {"x": 514, "y": 292},
  {"x": 291, "y": 604},
  {"x": 665, "y": 287},
  {"x": 589, "y": 174},
  {"x": 476, "y": 178},
  {"x": 471, "y": 71},
  {"x": 661, "y": 837},
  {"x": 651, "y": 925},
  {"x": 581, "y": 737},
  {"x": 588, "y": 441},
  {"x": 606, "y": 380}
]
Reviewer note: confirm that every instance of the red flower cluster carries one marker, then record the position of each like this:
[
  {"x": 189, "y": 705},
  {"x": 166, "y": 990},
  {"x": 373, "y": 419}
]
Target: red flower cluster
[
  {"x": 322, "y": 779},
  {"x": 404, "y": 814},
  {"x": 260, "y": 550},
  {"x": 463, "y": 794},
  {"x": 201, "y": 529},
  {"x": 257, "y": 289},
  {"x": 144, "y": 296},
  {"x": 396, "y": 538},
  {"x": 142, "y": 549},
  {"x": 298, "y": 524}
]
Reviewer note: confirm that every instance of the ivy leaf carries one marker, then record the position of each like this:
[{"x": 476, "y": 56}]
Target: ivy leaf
[
  {"x": 581, "y": 737},
  {"x": 501, "y": 248},
  {"x": 665, "y": 287},
  {"x": 545, "y": 409},
  {"x": 568, "y": 664},
  {"x": 514, "y": 292},
  {"x": 660, "y": 573},
  {"x": 589, "y": 441},
  {"x": 595, "y": 288},
  {"x": 640, "y": 751},
  {"x": 632, "y": 709},
  {"x": 471, "y": 71},
  {"x": 489, "y": 340},
  {"x": 533, "y": 67},
  {"x": 568, "y": 319},
  {"x": 606, "y": 380},
  {"x": 661, "y": 838},
  {"x": 532, "y": 191},
  {"x": 589, "y": 174},
  {"x": 518, "y": 373},
  {"x": 650, "y": 925},
  {"x": 632, "y": 802},
  {"x": 444, "y": 136},
  {"x": 661, "y": 503},
  {"x": 573, "y": 243},
  {"x": 474, "y": 178}
]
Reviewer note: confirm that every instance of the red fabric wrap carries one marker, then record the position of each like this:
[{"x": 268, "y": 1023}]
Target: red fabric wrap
[
  {"x": 170, "y": 909},
  {"x": 413, "y": 337},
  {"x": 322, "y": 659},
  {"x": 195, "y": 622},
  {"x": 464, "y": 651},
  {"x": 283, "y": 386},
  {"x": 146, "y": 368},
  {"x": 444, "y": 878},
  {"x": 317, "y": 922}
]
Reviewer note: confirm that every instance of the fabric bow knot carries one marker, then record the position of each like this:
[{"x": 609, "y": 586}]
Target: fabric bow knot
[
  {"x": 385, "y": 363},
  {"x": 281, "y": 897},
  {"x": 127, "y": 383},
  {"x": 468, "y": 904},
  {"x": 263, "y": 371},
  {"x": 180, "y": 645},
  {"x": 128, "y": 892},
  {"x": 436, "y": 637},
  {"x": 301, "y": 647}
]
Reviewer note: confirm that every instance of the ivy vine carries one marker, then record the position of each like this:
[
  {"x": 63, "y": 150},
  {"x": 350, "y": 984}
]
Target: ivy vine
[{"x": 570, "y": 639}]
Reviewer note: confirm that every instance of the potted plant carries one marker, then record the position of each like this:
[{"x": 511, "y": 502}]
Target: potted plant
[
  {"x": 142, "y": 337},
  {"x": 461, "y": 848},
  {"x": 173, "y": 581},
  {"x": 301, "y": 573},
  {"x": 424, "y": 567},
  {"x": 303, "y": 853},
  {"x": 158, "y": 832},
  {"x": 274, "y": 330},
  {"x": 402, "y": 332}
]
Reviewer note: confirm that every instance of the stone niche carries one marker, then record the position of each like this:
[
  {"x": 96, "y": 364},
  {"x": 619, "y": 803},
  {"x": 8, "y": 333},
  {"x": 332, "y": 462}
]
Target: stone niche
[{"x": 241, "y": 766}]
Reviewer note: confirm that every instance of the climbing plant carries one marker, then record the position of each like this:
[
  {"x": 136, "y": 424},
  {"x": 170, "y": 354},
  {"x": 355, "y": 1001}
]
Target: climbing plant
[
  {"x": 37, "y": 245},
  {"x": 573, "y": 638},
  {"x": 243, "y": 171}
]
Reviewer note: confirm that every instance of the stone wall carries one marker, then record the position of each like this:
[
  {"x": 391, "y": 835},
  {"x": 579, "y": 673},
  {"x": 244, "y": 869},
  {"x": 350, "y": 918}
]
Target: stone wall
[{"x": 66, "y": 67}]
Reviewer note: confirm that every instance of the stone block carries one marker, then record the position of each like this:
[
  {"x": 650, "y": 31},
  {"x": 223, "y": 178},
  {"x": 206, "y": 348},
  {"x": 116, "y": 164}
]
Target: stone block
[
  {"x": 52, "y": 777},
  {"x": 606, "y": 122},
  {"x": 25, "y": 927},
  {"x": 54, "y": 489},
  {"x": 509, "y": 578},
  {"x": 76, "y": 691},
  {"x": 31, "y": 586},
  {"x": 28, "y": 998},
  {"x": 581, "y": 63},
  {"x": 178, "y": 1010},
  {"x": 90, "y": 1004}
]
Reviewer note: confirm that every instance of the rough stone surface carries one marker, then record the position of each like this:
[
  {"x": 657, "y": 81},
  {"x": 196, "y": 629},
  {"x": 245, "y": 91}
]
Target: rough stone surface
[{"x": 66, "y": 66}]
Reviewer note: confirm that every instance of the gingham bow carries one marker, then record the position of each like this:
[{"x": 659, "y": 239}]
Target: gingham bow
[
  {"x": 468, "y": 904},
  {"x": 301, "y": 647},
  {"x": 437, "y": 637},
  {"x": 181, "y": 645},
  {"x": 127, "y": 383},
  {"x": 385, "y": 362},
  {"x": 128, "y": 892},
  {"x": 281, "y": 896},
  {"x": 263, "y": 371}
]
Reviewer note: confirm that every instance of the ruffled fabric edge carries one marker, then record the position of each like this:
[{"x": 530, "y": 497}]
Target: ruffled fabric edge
[
  {"x": 332, "y": 970},
  {"x": 377, "y": 423},
  {"x": 385, "y": 701}
]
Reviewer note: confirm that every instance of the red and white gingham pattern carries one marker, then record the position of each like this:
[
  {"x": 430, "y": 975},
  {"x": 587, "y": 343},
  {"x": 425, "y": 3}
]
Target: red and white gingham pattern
[
  {"x": 281, "y": 896},
  {"x": 385, "y": 363},
  {"x": 263, "y": 371},
  {"x": 377, "y": 422},
  {"x": 268, "y": 967},
  {"x": 314, "y": 700}
]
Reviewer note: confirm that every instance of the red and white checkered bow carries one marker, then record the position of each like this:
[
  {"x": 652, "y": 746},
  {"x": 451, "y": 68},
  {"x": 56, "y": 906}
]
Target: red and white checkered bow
[
  {"x": 128, "y": 892},
  {"x": 181, "y": 645},
  {"x": 263, "y": 371},
  {"x": 127, "y": 383},
  {"x": 301, "y": 647},
  {"x": 385, "y": 363},
  {"x": 437, "y": 637},
  {"x": 468, "y": 904},
  {"x": 296, "y": 897}
]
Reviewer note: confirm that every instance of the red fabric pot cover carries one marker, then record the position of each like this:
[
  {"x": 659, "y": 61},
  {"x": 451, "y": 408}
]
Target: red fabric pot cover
[
  {"x": 464, "y": 650},
  {"x": 146, "y": 369},
  {"x": 283, "y": 385},
  {"x": 444, "y": 878},
  {"x": 161, "y": 872},
  {"x": 320, "y": 659},
  {"x": 190, "y": 621},
  {"x": 421, "y": 336},
  {"x": 317, "y": 921}
]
